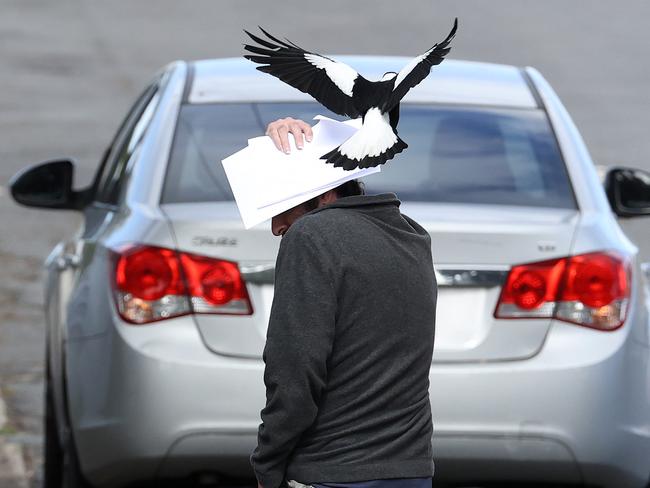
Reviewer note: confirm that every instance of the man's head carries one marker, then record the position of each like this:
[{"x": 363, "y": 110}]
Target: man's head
[{"x": 281, "y": 223}]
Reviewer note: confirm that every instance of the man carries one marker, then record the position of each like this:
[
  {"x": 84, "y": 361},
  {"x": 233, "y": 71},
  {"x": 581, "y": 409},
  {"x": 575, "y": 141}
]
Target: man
[{"x": 349, "y": 343}]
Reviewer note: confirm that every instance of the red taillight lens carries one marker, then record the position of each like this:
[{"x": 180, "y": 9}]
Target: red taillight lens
[
  {"x": 595, "y": 280},
  {"x": 529, "y": 289},
  {"x": 154, "y": 283},
  {"x": 589, "y": 289},
  {"x": 149, "y": 273},
  {"x": 216, "y": 286},
  {"x": 531, "y": 285}
]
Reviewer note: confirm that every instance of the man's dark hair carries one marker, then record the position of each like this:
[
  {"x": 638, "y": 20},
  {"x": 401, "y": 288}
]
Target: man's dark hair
[
  {"x": 350, "y": 188},
  {"x": 347, "y": 189}
]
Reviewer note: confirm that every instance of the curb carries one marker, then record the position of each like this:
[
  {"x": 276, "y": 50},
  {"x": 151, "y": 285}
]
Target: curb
[{"x": 12, "y": 464}]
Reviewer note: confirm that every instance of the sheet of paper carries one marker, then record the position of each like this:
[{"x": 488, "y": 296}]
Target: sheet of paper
[{"x": 266, "y": 182}]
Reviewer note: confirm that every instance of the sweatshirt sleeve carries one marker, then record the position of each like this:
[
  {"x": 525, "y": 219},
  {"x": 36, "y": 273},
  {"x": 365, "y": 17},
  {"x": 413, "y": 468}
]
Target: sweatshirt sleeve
[{"x": 298, "y": 343}]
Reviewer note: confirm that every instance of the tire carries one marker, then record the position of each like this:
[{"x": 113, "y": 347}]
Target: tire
[
  {"x": 61, "y": 467},
  {"x": 52, "y": 452},
  {"x": 72, "y": 476}
]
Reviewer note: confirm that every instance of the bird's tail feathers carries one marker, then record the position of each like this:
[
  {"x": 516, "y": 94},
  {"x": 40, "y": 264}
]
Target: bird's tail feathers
[
  {"x": 338, "y": 159},
  {"x": 374, "y": 143}
]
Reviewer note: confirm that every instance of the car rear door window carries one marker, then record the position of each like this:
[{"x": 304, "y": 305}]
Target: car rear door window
[{"x": 110, "y": 179}]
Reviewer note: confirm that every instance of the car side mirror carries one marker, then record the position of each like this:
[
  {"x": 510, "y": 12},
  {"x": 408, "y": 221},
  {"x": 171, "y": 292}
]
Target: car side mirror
[
  {"x": 47, "y": 185},
  {"x": 628, "y": 191}
]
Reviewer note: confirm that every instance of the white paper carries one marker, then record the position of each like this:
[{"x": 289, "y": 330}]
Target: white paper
[{"x": 266, "y": 181}]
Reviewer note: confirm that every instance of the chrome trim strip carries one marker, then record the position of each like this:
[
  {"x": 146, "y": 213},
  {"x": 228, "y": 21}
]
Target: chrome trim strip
[
  {"x": 258, "y": 273},
  {"x": 470, "y": 276}
]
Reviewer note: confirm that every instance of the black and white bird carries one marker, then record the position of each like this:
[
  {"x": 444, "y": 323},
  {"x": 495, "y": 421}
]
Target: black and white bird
[{"x": 345, "y": 92}]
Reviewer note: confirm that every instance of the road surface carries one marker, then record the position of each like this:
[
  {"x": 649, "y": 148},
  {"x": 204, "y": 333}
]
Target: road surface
[{"x": 71, "y": 68}]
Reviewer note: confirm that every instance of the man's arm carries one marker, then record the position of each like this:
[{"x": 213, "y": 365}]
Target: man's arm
[{"x": 298, "y": 344}]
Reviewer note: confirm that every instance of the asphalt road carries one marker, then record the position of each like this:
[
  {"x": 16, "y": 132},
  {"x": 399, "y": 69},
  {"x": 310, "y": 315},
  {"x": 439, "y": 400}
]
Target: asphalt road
[{"x": 69, "y": 70}]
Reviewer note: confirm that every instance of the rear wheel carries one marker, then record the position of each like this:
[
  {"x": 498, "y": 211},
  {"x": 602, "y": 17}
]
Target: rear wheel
[
  {"x": 72, "y": 477},
  {"x": 61, "y": 465},
  {"x": 52, "y": 452}
]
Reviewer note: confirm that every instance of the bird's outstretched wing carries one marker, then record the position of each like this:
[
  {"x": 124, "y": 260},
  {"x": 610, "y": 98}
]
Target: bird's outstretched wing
[
  {"x": 418, "y": 69},
  {"x": 328, "y": 81}
]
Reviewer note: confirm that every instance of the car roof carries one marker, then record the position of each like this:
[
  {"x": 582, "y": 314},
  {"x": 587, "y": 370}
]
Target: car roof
[{"x": 453, "y": 81}]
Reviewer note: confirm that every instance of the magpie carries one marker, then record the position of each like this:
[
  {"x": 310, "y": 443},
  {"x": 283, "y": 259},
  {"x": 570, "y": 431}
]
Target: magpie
[{"x": 345, "y": 92}]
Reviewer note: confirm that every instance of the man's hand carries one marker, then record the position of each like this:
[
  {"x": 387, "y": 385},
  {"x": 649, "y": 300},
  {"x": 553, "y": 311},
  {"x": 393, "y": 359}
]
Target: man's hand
[
  {"x": 259, "y": 485},
  {"x": 279, "y": 130}
]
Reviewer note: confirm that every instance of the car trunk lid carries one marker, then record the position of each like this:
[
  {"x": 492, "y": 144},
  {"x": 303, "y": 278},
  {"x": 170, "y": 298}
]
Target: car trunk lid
[{"x": 473, "y": 247}]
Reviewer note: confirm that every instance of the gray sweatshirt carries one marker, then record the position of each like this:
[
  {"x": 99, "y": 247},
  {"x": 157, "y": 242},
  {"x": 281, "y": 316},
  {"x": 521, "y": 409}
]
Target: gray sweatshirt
[{"x": 349, "y": 347}]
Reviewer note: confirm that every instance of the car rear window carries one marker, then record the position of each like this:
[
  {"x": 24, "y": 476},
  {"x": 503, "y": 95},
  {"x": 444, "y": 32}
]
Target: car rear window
[{"x": 461, "y": 154}]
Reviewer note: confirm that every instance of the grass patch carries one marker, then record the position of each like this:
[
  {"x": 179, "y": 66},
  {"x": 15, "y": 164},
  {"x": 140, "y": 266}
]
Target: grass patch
[{"x": 7, "y": 430}]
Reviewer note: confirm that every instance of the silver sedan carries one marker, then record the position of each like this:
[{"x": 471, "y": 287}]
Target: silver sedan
[{"x": 157, "y": 307}]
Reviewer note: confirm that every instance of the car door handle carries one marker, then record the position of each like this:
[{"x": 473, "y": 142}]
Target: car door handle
[{"x": 66, "y": 261}]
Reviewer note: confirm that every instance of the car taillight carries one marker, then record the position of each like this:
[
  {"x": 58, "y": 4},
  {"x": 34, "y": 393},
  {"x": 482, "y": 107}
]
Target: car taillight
[
  {"x": 589, "y": 289},
  {"x": 215, "y": 286},
  {"x": 153, "y": 283}
]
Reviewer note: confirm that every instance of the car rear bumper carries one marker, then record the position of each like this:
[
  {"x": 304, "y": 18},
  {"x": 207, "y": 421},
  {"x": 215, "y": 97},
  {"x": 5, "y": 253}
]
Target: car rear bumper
[
  {"x": 577, "y": 412},
  {"x": 574, "y": 413},
  {"x": 162, "y": 397}
]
